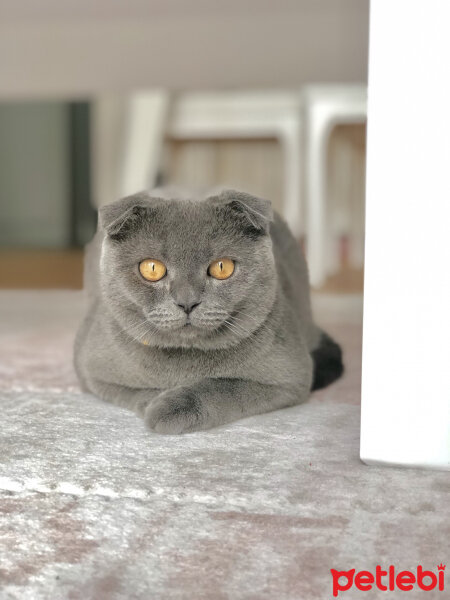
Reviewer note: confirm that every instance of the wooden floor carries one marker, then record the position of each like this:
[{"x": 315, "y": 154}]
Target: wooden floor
[
  {"x": 63, "y": 269},
  {"x": 41, "y": 269}
]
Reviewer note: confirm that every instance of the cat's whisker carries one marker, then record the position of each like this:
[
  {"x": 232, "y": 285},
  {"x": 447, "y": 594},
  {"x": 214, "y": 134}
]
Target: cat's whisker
[
  {"x": 245, "y": 314},
  {"x": 232, "y": 328},
  {"x": 136, "y": 332},
  {"x": 239, "y": 319},
  {"x": 142, "y": 330},
  {"x": 137, "y": 327},
  {"x": 145, "y": 335},
  {"x": 228, "y": 328},
  {"x": 240, "y": 327},
  {"x": 252, "y": 328}
]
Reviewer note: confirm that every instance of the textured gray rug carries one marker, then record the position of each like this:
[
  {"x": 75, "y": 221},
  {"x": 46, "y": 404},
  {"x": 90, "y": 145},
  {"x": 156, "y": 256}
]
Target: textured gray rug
[{"x": 94, "y": 506}]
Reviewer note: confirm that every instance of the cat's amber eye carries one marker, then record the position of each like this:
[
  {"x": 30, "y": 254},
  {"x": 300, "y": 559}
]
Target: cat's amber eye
[
  {"x": 222, "y": 268},
  {"x": 152, "y": 270}
]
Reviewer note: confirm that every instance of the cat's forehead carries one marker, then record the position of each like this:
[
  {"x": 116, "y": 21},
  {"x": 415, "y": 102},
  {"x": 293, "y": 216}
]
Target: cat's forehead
[
  {"x": 186, "y": 222},
  {"x": 185, "y": 213},
  {"x": 232, "y": 218}
]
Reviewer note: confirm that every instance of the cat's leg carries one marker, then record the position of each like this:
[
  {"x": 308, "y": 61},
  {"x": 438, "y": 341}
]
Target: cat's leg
[
  {"x": 214, "y": 402},
  {"x": 136, "y": 400}
]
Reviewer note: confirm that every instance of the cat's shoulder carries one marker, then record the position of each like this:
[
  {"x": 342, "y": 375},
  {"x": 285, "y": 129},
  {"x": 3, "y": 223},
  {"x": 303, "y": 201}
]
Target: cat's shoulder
[{"x": 284, "y": 242}]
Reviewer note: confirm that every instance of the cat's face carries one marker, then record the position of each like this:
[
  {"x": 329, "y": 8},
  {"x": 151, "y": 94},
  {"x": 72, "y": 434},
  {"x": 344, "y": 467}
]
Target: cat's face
[{"x": 179, "y": 273}]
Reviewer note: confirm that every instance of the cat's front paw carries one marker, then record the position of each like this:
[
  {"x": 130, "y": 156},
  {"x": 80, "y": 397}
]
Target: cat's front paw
[{"x": 176, "y": 411}]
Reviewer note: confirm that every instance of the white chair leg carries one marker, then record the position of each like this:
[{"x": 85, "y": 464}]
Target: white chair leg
[
  {"x": 324, "y": 107},
  {"x": 106, "y": 143},
  {"x": 292, "y": 200},
  {"x": 145, "y": 126},
  {"x": 317, "y": 129}
]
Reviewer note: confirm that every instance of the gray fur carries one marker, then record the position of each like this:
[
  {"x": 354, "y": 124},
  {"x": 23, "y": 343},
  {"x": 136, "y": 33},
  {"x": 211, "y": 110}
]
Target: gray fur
[{"x": 248, "y": 349}]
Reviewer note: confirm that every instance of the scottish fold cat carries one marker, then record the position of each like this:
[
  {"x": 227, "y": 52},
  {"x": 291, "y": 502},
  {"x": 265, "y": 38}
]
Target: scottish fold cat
[{"x": 199, "y": 312}]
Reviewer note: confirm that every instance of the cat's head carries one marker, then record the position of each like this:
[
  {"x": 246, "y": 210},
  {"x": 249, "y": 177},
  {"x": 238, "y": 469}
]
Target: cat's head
[{"x": 188, "y": 273}]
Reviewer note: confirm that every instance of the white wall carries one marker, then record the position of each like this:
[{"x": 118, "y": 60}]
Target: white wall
[
  {"x": 406, "y": 356},
  {"x": 80, "y": 47}
]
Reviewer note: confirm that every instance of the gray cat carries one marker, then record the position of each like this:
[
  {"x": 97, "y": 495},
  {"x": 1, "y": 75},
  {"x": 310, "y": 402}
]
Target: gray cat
[{"x": 199, "y": 312}]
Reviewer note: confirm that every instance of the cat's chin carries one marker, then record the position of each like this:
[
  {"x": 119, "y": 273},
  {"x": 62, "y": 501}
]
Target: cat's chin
[
  {"x": 190, "y": 335},
  {"x": 193, "y": 331}
]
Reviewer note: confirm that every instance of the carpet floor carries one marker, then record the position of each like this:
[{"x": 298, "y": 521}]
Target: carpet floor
[{"x": 93, "y": 505}]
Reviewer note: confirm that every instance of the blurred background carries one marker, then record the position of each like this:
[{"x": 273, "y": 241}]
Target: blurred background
[{"x": 98, "y": 100}]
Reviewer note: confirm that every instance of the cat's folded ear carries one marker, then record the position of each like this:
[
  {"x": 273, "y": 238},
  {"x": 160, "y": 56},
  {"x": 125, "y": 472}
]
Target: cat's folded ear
[
  {"x": 125, "y": 216},
  {"x": 254, "y": 214}
]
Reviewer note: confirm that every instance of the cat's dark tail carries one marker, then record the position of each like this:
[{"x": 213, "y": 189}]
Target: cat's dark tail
[{"x": 327, "y": 362}]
